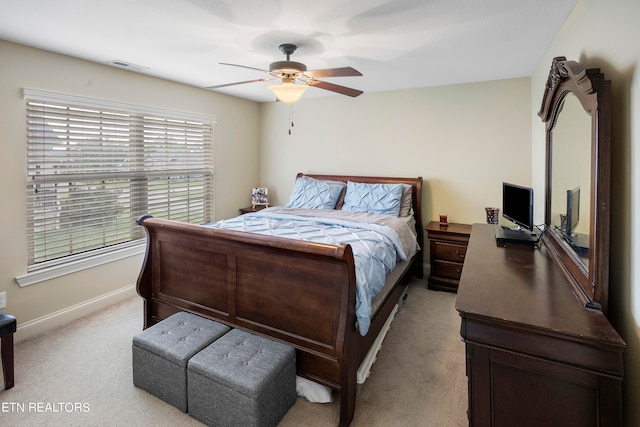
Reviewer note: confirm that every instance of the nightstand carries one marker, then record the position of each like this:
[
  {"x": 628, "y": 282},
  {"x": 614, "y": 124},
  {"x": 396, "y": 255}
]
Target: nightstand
[
  {"x": 251, "y": 209},
  {"x": 447, "y": 247}
]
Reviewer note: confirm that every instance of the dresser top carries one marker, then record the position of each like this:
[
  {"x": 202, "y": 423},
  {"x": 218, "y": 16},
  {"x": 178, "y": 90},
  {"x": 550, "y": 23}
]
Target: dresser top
[{"x": 522, "y": 287}]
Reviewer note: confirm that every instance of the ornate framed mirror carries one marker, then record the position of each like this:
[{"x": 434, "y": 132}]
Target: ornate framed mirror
[{"x": 576, "y": 108}]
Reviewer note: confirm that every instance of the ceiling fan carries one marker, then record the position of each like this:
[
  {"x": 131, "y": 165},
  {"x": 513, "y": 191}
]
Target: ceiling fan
[{"x": 290, "y": 72}]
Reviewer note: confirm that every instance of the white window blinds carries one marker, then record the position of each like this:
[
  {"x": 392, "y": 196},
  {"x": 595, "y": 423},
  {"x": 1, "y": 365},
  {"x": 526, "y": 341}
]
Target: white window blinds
[{"x": 93, "y": 170}]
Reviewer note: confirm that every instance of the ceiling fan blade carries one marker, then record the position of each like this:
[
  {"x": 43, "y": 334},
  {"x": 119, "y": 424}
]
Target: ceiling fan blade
[
  {"x": 244, "y": 66},
  {"x": 333, "y": 72},
  {"x": 238, "y": 83},
  {"x": 334, "y": 88}
]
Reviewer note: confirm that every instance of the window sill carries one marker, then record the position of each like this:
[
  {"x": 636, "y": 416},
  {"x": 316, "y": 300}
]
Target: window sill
[{"x": 79, "y": 265}]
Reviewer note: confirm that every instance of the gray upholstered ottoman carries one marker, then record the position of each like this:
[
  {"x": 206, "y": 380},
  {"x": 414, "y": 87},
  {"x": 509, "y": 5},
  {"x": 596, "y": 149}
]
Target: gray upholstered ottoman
[
  {"x": 242, "y": 380},
  {"x": 161, "y": 353}
]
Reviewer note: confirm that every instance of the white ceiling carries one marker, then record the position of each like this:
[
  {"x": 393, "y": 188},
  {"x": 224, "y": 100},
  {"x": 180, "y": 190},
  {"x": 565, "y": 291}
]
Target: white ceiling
[{"x": 395, "y": 44}]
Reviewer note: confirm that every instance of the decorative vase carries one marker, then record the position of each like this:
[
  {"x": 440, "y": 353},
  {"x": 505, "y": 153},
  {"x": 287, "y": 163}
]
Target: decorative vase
[{"x": 492, "y": 215}]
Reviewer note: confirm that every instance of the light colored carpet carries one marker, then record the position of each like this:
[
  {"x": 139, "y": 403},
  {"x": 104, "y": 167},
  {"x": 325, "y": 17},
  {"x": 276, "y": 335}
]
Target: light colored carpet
[{"x": 81, "y": 374}]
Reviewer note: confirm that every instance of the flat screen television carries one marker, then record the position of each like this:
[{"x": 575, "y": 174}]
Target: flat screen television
[
  {"x": 573, "y": 210},
  {"x": 517, "y": 205}
]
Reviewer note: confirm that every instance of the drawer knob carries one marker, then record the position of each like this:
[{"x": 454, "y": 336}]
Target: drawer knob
[
  {"x": 458, "y": 270},
  {"x": 461, "y": 255}
]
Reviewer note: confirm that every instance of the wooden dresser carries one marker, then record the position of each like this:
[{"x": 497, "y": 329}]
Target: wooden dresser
[
  {"x": 447, "y": 247},
  {"x": 535, "y": 355}
]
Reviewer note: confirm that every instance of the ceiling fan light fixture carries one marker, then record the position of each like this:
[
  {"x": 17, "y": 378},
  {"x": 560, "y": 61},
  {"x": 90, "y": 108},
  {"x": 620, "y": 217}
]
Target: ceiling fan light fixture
[{"x": 288, "y": 92}]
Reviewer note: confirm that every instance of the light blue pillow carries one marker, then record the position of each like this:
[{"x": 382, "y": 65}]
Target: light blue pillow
[
  {"x": 309, "y": 193},
  {"x": 375, "y": 198}
]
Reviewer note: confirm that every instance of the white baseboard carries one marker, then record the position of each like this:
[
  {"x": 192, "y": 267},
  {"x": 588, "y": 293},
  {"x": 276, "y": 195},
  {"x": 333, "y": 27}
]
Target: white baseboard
[{"x": 54, "y": 320}]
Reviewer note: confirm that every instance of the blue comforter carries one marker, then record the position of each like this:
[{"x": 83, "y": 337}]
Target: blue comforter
[{"x": 378, "y": 241}]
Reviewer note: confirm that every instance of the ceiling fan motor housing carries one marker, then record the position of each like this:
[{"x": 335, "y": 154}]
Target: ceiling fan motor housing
[{"x": 288, "y": 68}]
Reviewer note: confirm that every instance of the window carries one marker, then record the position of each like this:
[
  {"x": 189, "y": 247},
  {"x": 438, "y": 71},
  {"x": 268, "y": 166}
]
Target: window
[{"x": 94, "y": 167}]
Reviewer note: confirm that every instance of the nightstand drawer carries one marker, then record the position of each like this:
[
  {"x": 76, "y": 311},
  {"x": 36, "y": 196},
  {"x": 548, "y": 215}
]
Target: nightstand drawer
[
  {"x": 449, "y": 252},
  {"x": 450, "y": 270}
]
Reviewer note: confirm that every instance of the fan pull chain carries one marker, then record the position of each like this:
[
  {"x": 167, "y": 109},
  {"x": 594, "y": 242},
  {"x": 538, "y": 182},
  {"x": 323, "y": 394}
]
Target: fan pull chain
[{"x": 290, "y": 118}]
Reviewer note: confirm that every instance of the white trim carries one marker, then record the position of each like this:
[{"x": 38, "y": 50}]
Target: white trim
[
  {"x": 78, "y": 265},
  {"x": 59, "y": 318},
  {"x": 46, "y": 95}
]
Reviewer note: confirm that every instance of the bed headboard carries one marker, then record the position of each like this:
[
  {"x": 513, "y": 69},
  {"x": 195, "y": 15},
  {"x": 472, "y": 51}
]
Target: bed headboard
[{"x": 416, "y": 195}]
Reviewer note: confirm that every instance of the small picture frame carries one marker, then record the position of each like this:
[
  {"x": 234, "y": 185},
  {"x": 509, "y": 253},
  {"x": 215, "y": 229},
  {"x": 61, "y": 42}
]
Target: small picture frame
[{"x": 260, "y": 197}]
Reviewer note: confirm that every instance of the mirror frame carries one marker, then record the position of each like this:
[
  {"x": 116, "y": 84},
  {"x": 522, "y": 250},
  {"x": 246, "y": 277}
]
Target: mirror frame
[{"x": 591, "y": 283}]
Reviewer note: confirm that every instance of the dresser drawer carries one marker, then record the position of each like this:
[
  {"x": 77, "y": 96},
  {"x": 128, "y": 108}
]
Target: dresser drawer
[
  {"x": 448, "y": 251},
  {"x": 448, "y": 269}
]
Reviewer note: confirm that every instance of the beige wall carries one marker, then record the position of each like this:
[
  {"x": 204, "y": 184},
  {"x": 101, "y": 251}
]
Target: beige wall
[
  {"x": 464, "y": 140},
  {"x": 236, "y": 166},
  {"x": 604, "y": 34}
]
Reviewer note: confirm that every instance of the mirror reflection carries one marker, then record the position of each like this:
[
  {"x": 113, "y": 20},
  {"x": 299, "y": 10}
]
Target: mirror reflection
[{"x": 571, "y": 177}]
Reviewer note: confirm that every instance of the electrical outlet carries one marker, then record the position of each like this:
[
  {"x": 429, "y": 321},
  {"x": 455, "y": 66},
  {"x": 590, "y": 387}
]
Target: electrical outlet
[{"x": 3, "y": 300}]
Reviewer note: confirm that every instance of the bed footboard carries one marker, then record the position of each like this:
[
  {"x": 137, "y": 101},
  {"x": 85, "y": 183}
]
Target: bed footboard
[{"x": 300, "y": 293}]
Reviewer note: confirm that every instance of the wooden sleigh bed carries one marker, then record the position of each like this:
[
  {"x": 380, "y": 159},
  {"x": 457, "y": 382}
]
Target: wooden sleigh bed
[{"x": 298, "y": 292}]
